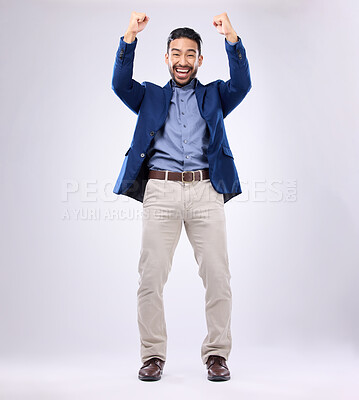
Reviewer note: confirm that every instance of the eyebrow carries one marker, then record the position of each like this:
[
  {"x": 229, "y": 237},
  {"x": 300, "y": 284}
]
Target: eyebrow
[{"x": 174, "y": 49}]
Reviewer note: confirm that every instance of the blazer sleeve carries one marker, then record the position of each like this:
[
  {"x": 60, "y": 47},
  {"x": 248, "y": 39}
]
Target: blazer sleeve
[
  {"x": 127, "y": 89},
  {"x": 235, "y": 89}
]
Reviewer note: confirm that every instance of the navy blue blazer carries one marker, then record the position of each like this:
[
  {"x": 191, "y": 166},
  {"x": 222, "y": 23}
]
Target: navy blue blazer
[{"x": 151, "y": 103}]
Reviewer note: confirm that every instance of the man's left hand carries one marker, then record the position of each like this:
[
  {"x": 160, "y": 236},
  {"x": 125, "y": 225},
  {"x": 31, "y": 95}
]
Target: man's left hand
[{"x": 224, "y": 27}]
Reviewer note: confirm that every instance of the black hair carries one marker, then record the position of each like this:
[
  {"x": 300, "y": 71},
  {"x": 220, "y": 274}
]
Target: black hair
[{"x": 185, "y": 33}]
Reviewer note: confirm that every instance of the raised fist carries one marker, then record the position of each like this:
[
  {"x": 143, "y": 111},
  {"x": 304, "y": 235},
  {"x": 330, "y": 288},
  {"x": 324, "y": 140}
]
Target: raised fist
[
  {"x": 224, "y": 27},
  {"x": 138, "y": 22}
]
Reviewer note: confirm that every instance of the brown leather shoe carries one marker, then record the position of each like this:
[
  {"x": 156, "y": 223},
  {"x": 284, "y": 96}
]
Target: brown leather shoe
[
  {"x": 151, "y": 370},
  {"x": 217, "y": 369}
]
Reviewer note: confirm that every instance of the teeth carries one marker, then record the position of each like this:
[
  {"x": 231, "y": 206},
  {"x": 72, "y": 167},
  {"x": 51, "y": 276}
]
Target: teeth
[{"x": 182, "y": 70}]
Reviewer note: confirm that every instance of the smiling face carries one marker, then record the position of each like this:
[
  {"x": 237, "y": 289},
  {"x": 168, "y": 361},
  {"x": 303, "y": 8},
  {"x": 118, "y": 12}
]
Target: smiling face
[{"x": 183, "y": 60}]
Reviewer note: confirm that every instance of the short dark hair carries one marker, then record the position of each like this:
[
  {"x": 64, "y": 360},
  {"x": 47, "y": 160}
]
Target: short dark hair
[{"x": 185, "y": 33}]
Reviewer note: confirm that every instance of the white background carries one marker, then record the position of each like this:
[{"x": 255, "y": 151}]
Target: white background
[{"x": 69, "y": 278}]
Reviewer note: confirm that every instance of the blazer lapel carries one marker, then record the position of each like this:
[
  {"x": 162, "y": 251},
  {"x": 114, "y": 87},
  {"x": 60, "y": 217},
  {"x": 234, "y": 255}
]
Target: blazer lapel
[
  {"x": 200, "y": 90},
  {"x": 167, "y": 90},
  {"x": 168, "y": 94}
]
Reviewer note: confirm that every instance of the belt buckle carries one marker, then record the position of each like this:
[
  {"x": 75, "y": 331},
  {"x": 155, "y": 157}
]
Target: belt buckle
[{"x": 193, "y": 176}]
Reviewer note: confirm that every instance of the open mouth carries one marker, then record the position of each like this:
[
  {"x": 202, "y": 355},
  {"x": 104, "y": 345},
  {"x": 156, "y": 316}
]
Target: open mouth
[{"x": 182, "y": 73}]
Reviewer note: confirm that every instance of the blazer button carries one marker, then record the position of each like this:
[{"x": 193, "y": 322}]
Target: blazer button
[
  {"x": 152, "y": 133},
  {"x": 142, "y": 155}
]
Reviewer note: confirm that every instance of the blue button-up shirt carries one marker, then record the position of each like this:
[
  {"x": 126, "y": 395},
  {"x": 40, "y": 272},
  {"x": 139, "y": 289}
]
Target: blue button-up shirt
[{"x": 182, "y": 143}]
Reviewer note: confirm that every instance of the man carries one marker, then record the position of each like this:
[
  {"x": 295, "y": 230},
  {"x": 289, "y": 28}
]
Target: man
[{"x": 181, "y": 167}]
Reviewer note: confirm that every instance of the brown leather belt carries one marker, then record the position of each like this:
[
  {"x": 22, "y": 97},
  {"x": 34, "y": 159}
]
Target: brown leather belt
[{"x": 185, "y": 176}]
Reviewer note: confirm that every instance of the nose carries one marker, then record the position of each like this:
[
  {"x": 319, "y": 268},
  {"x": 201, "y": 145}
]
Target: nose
[{"x": 182, "y": 60}]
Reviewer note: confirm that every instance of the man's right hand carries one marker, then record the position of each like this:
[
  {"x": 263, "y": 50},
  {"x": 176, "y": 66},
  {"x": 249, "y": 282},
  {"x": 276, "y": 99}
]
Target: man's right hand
[{"x": 138, "y": 22}]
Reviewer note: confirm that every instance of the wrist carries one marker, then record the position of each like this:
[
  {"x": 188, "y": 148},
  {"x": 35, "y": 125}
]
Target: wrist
[
  {"x": 232, "y": 37},
  {"x": 129, "y": 37}
]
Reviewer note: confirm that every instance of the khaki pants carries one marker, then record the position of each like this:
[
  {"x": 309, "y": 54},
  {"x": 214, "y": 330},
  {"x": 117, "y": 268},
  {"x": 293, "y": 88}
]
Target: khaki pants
[{"x": 166, "y": 205}]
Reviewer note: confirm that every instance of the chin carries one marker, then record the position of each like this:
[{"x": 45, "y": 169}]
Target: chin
[{"x": 183, "y": 83}]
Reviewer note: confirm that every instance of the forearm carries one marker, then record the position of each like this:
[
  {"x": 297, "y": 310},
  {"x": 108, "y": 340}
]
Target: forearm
[
  {"x": 126, "y": 88},
  {"x": 236, "y": 88},
  {"x": 238, "y": 66}
]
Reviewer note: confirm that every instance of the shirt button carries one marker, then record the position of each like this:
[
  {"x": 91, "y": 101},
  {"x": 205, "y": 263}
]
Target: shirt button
[
  {"x": 142, "y": 155},
  {"x": 182, "y": 100},
  {"x": 152, "y": 133},
  {"x": 184, "y": 126},
  {"x": 185, "y": 141},
  {"x": 182, "y": 113},
  {"x": 187, "y": 156}
]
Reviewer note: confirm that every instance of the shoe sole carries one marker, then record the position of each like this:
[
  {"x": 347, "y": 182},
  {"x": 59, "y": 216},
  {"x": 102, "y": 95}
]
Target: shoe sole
[
  {"x": 148, "y": 378},
  {"x": 219, "y": 378}
]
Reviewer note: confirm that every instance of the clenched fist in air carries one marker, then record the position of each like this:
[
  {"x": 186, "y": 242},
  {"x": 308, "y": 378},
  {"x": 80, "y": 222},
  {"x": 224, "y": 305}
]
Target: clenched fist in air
[
  {"x": 138, "y": 22},
  {"x": 224, "y": 27}
]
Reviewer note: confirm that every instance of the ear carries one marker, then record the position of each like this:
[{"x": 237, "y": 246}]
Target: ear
[
  {"x": 200, "y": 60},
  {"x": 166, "y": 58}
]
